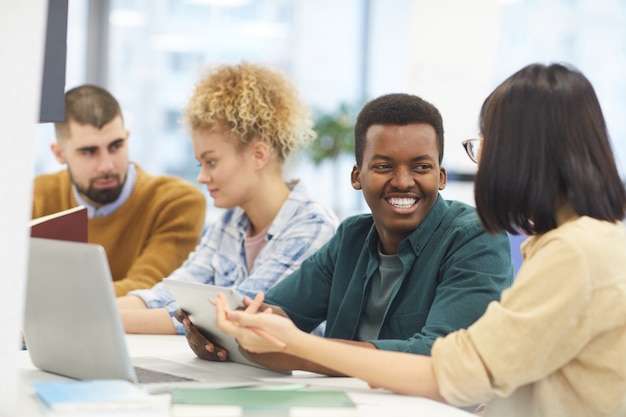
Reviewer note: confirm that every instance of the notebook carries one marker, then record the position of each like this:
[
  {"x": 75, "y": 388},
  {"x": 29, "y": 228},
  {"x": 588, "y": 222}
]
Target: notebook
[
  {"x": 95, "y": 397},
  {"x": 193, "y": 297},
  {"x": 71, "y": 224},
  {"x": 72, "y": 326},
  {"x": 261, "y": 402}
]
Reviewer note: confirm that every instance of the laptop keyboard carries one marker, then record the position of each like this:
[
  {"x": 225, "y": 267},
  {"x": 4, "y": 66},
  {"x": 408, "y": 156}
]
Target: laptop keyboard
[{"x": 149, "y": 376}]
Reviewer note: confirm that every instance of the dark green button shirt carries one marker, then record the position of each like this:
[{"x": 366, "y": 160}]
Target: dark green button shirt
[{"x": 452, "y": 270}]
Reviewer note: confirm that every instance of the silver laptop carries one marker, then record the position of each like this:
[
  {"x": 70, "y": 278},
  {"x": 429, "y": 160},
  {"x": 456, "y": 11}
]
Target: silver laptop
[{"x": 72, "y": 326}]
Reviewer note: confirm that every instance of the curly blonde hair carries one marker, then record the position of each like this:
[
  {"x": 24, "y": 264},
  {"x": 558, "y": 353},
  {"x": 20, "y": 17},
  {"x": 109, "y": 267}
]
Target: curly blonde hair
[{"x": 253, "y": 102}]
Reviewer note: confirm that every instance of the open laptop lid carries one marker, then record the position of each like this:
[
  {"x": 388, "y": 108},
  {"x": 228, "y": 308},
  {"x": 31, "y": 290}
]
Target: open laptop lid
[
  {"x": 72, "y": 326},
  {"x": 71, "y": 323}
]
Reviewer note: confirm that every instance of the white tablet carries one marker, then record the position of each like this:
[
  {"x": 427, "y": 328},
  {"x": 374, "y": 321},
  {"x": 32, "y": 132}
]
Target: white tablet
[{"x": 194, "y": 297}]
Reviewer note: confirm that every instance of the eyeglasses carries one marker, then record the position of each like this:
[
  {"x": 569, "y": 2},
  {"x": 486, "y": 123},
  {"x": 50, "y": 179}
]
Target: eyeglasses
[{"x": 472, "y": 147}]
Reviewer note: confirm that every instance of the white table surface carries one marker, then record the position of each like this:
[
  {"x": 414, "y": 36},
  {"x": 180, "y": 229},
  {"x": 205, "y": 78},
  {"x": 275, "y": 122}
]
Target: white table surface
[{"x": 369, "y": 402}]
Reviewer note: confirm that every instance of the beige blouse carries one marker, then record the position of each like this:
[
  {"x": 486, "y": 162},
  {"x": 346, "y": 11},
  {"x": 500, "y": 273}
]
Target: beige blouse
[{"x": 555, "y": 345}]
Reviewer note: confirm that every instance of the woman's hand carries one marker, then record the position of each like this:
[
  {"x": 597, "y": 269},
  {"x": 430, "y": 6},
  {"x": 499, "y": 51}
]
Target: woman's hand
[{"x": 258, "y": 333}]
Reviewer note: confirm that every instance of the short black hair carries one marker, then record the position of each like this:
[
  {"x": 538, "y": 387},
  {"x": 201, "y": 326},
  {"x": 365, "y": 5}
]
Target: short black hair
[
  {"x": 396, "y": 109},
  {"x": 545, "y": 143}
]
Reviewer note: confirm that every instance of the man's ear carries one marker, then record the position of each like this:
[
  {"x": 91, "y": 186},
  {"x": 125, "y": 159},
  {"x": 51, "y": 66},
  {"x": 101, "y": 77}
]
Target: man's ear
[
  {"x": 443, "y": 178},
  {"x": 58, "y": 153},
  {"x": 355, "y": 176}
]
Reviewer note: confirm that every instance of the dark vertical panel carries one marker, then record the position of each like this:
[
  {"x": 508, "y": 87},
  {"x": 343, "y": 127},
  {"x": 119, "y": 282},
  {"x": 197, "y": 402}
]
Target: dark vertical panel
[{"x": 53, "y": 84}]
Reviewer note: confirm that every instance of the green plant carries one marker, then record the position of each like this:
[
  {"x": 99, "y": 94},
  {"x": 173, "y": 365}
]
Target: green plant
[
  {"x": 335, "y": 131},
  {"x": 335, "y": 136}
]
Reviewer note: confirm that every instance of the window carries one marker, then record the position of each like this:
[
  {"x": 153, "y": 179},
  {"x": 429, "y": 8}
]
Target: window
[{"x": 451, "y": 53}]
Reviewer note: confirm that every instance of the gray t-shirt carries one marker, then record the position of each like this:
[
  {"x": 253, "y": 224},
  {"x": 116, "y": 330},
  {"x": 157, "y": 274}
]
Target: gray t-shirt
[{"x": 383, "y": 283}]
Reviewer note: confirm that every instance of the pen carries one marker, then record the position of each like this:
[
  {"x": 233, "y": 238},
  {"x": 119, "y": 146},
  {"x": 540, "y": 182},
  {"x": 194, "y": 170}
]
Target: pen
[
  {"x": 278, "y": 343},
  {"x": 275, "y": 341}
]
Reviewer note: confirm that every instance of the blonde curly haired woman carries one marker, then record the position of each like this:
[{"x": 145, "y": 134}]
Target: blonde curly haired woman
[{"x": 245, "y": 120}]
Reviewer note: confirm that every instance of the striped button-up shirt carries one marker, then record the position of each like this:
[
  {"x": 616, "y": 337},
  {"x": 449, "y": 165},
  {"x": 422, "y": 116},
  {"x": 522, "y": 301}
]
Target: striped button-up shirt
[{"x": 300, "y": 228}]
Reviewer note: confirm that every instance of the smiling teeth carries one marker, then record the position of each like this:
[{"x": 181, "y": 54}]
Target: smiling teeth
[{"x": 401, "y": 202}]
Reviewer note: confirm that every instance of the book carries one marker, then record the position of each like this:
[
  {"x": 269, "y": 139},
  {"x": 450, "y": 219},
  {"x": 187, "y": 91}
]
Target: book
[
  {"x": 189, "y": 401},
  {"x": 68, "y": 224},
  {"x": 94, "y": 397}
]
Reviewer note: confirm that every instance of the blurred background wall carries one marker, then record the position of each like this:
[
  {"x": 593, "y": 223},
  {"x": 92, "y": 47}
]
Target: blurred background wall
[{"x": 340, "y": 53}]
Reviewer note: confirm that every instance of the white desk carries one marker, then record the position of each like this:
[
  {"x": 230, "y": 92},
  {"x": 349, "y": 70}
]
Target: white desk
[{"x": 370, "y": 403}]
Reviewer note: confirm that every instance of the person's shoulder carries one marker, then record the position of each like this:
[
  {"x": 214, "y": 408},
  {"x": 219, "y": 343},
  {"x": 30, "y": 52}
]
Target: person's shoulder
[
  {"x": 51, "y": 193},
  {"x": 597, "y": 246},
  {"x": 50, "y": 176},
  {"x": 50, "y": 181},
  {"x": 167, "y": 185},
  {"x": 461, "y": 215},
  {"x": 356, "y": 224},
  {"x": 462, "y": 225},
  {"x": 303, "y": 205},
  {"x": 461, "y": 208},
  {"x": 314, "y": 209},
  {"x": 179, "y": 184},
  {"x": 588, "y": 232}
]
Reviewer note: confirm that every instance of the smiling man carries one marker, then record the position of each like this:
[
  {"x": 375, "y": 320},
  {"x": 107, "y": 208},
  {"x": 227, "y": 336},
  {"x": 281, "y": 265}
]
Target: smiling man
[
  {"x": 416, "y": 268},
  {"x": 147, "y": 224}
]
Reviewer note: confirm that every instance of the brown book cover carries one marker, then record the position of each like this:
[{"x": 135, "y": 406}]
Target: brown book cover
[{"x": 69, "y": 224}]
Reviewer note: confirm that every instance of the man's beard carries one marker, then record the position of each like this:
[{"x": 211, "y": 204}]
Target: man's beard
[{"x": 101, "y": 196}]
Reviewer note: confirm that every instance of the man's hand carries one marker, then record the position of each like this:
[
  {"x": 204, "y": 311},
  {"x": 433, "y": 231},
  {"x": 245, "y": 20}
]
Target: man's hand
[
  {"x": 258, "y": 306},
  {"x": 200, "y": 345}
]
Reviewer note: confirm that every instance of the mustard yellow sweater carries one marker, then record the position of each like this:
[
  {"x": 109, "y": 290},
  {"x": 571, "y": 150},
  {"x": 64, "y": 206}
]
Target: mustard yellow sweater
[{"x": 147, "y": 237}]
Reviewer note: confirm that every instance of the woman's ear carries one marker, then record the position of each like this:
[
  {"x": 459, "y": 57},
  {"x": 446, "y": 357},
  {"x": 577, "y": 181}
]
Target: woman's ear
[
  {"x": 261, "y": 153},
  {"x": 355, "y": 176}
]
